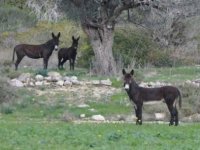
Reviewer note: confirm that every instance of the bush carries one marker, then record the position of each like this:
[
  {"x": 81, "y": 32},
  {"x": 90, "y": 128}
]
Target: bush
[
  {"x": 6, "y": 91},
  {"x": 13, "y": 18}
]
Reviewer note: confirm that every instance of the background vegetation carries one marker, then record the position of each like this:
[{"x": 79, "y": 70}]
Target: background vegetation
[{"x": 42, "y": 118}]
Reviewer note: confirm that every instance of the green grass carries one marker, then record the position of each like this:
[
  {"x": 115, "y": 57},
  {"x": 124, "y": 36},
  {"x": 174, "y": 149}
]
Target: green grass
[
  {"x": 59, "y": 135},
  {"x": 174, "y": 74}
]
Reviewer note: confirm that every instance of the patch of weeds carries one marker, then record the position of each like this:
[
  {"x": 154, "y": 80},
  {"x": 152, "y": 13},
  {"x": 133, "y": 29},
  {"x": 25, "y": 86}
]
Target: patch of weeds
[
  {"x": 116, "y": 83},
  {"x": 10, "y": 72},
  {"x": 7, "y": 93},
  {"x": 42, "y": 72},
  {"x": 114, "y": 137},
  {"x": 6, "y": 108}
]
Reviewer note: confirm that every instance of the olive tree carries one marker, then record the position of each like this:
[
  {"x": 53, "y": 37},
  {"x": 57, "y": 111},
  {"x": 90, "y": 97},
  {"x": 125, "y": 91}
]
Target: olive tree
[{"x": 98, "y": 20}]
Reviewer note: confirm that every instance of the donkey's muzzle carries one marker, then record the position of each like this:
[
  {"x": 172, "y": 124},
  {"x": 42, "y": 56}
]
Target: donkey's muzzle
[
  {"x": 56, "y": 47},
  {"x": 126, "y": 86}
]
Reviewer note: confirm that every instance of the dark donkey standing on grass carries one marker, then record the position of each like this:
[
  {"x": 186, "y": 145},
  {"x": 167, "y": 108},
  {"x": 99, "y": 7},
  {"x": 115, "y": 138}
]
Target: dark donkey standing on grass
[
  {"x": 139, "y": 95},
  {"x": 65, "y": 54},
  {"x": 36, "y": 51}
]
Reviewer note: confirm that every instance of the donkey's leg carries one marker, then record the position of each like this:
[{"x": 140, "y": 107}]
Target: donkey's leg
[
  {"x": 59, "y": 62},
  {"x": 19, "y": 58},
  {"x": 73, "y": 61},
  {"x": 176, "y": 116},
  {"x": 45, "y": 62},
  {"x": 62, "y": 62},
  {"x": 170, "y": 107},
  {"x": 140, "y": 114}
]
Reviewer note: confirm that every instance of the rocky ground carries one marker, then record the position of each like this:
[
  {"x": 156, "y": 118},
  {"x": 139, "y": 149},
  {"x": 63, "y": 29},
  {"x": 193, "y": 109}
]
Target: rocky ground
[{"x": 94, "y": 89}]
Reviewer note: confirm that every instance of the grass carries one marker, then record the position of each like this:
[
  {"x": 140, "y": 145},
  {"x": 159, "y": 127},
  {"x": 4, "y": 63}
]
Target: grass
[
  {"x": 59, "y": 135},
  {"x": 40, "y": 121},
  {"x": 174, "y": 74}
]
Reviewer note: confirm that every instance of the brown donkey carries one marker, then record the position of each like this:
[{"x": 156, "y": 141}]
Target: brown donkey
[
  {"x": 36, "y": 51},
  {"x": 139, "y": 95}
]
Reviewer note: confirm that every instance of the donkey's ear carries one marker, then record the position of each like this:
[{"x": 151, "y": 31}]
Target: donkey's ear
[
  {"x": 73, "y": 38},
  {"x": 132, "y": 72},
  {"x": 53, "y": 36},
  {"x": 58, "y": 35},
  {"x": 123, "y": 71},
  {"x": 78, "y": 38}
]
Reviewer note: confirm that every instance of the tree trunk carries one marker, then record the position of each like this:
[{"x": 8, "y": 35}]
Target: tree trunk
[{"x": 102, "y": 42}]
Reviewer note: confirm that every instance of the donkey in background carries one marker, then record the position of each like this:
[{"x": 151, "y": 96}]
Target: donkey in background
[
  {"x": 139, "y": 95},
  {"x": 36, "y": 51},
  {"x": 70, "y": 53}
]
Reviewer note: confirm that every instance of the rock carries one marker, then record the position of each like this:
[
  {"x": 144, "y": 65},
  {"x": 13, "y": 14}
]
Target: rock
[
  {"x": 16, "y": 83},
  {"x": 47, "y": 79},
  {"x": 98, "y": 118},
  {"x": 60, "y": 83},
  {"x": 66, "y": 78},
  {"x": 31, "y": 84},
  {"x": 74, "y": 78},
  {"x": 92, "y": 110},
  {"x": 106, "y": 82},
  {"x": 24, "y": 77},
  {"x": 95, "y": 82},
  {"x": 131, "y": 118},
  {"x": 83, "y": 106},
  {"x": 55, "y": 76},
  {"x": 67, "y": 83},
  {"x": 192, "y": 118},
  {"x": 82, "y": 115},
  {"x": 38, "y": 83},
  {"x": 46, "y": 83},
  {"x": 39, "y": 77},
  {"x": 159, "y": 116}
]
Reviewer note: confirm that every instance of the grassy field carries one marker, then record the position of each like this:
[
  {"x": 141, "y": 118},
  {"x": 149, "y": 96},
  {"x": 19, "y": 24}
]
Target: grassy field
[
  {"x": 43, "y": 118},
  {"x": 32, "y": 134}
]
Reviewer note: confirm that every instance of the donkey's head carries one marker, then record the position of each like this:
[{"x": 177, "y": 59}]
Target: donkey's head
[
  {"x": 128, "y": 79},
  {"x": 55, "y": 40},
  {"x": 75, "y": 42}
]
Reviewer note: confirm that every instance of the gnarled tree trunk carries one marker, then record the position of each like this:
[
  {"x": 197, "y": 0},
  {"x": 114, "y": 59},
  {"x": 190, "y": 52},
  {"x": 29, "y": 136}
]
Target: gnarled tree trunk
[{"x": 102, "y": 42}]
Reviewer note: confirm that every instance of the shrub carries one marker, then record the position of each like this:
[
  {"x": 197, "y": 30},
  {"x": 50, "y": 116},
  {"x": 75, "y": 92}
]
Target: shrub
[
  {"x": 13, "y": 18},
  {"x": 6, "y": 91}
]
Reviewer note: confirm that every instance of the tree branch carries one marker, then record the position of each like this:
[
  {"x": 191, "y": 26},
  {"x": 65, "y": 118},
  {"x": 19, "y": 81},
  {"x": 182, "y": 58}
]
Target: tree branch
[{"x": 128, "y": 4}]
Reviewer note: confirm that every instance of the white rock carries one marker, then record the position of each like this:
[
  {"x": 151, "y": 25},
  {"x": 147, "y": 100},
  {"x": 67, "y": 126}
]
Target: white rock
[
  {"x": 66, "y": 78},
  {"x": 55, "y": 76},
  {"x": 60, "y": 83},
  {"x": 74, "y": 78},
  {"x": 159, "y": 116},
  {"x": 31, "y": 84},
  {"x": 24, "y": 77},
  {"x": 83, "y": 106},
  {"x": 106, "y": 82},
  {"x": 16, "y": 83},
  {"x": 67, "y": 83},
  {"x": 98, "y": 118},
  {"x": 38, "y": 83},
  {"x": 82, "y": 115},
  {"x": 47, "y": 78},
  {"x": 39, "y": 77},
  {"x": 46, "y": 83},
  {"x": 95, "y": 82}
]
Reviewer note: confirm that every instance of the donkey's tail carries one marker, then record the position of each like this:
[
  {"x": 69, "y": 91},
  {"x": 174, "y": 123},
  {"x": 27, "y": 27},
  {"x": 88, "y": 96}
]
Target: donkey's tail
[
  {"x": 13, "y": 55},
  {"x": 180, "y": 99}
]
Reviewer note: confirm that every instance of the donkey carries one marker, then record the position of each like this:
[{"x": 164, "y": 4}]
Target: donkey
[
  {"x": 139, "y": 95},
  {"x": 36, "y": 51},
  {"x": 70, "y": 53}
]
